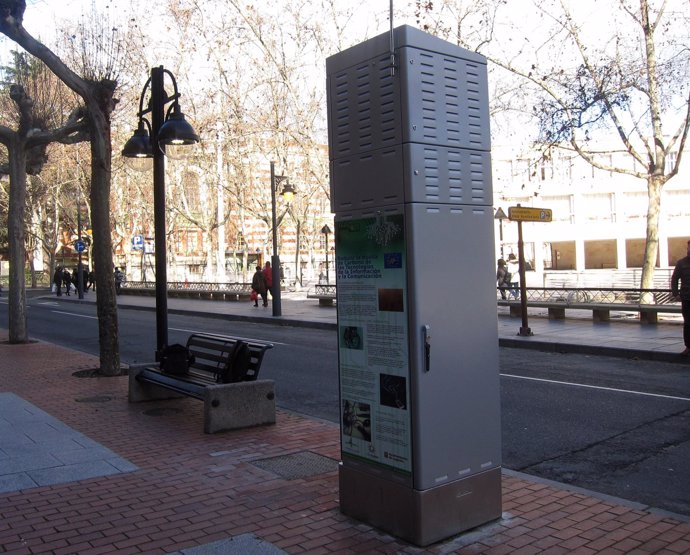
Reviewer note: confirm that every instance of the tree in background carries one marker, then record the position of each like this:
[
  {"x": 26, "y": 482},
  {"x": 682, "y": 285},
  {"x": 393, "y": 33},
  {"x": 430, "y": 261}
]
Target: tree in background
[
  {"x": 35, "y": 118},
  {"x": 262, "y": 99},
  {"x": 588, "y": 71},
  {"x": 96, "y": 88}
]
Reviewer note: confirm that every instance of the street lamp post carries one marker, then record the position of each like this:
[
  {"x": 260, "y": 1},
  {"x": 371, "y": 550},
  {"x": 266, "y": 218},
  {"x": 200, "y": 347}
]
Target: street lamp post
[
  {"x": 80, "y": 246},
  {"x": 326, "y": 231},
  {"x": 288, "y": 192},
  {"x": 164, "y": 128}
]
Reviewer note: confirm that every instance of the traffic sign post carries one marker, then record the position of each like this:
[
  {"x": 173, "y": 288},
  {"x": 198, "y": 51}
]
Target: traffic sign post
[
  {"x": 527, "y": 214},
  {"x": 521, "y": 214},
  {"x": 80, "y": 247}
]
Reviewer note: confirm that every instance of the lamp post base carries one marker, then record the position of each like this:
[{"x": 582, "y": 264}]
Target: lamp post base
[{"x": 275, "y": 289}]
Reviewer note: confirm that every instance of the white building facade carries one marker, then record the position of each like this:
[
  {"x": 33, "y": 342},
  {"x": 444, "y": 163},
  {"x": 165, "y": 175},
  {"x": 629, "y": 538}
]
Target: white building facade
[{"x": 599, "y": 217}]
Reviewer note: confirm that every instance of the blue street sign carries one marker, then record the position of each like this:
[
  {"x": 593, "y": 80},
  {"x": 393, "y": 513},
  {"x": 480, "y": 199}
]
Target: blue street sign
[
  {"x": 138, "y": 242},
  {"x": 80, "y": 245}
]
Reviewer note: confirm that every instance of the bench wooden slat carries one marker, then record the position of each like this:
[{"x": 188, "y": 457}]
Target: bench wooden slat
[{"x": 178, "y": 384}]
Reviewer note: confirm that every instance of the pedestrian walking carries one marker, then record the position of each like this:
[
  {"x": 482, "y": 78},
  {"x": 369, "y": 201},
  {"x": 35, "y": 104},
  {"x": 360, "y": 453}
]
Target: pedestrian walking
[
  {"x": 680, "y": 289},
  {"x": 513, "y": 267},
  {"x": 75, "y": 280},
  {"x": 259, "y": 287},
  {"x": 92, "y": 280},
  {"x": 119, "y": 278},
  {"x": 268, "y": 276},
  {"x": 502, "y": 277},
  {"x": 67, "y": 280},
  {"x": 57, "y": 281}
]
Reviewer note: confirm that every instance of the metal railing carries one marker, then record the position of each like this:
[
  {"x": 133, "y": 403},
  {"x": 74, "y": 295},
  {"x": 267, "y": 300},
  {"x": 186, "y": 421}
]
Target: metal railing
[
  {"x": 194, "y": 286},
  {"x": 323, "y": 290}
]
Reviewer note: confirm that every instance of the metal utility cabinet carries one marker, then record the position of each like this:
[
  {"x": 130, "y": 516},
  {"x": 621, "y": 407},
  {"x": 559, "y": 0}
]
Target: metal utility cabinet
[{"x": 417, "y": 327}]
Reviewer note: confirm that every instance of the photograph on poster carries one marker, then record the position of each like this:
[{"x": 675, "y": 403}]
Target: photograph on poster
[
  {"x": 391, "y": 300},
  {"x": 351, "y": 337},
  {"x": 393, "y": 391},
  {"x": 357, "y": 420}
]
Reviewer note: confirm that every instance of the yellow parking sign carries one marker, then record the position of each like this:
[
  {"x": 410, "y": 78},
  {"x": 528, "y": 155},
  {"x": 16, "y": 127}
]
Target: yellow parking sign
[{"x": 528, "y": 214}]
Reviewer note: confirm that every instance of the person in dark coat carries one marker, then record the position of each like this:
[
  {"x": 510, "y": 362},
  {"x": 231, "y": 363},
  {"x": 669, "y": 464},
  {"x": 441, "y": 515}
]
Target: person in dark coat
[
  {"x": 57, "y": 281},
  {"x": 91, "y": 284},
  {"x": 681, "y": 274},
  {"x": 502, "y": 277},
  {"x": 268, "y": 276},
  {"x": 75, "y": 280},
  {"x": 259, "y": 285},
  {"x": 119, "y": 278},
  {"x": 67, "y": 280}
]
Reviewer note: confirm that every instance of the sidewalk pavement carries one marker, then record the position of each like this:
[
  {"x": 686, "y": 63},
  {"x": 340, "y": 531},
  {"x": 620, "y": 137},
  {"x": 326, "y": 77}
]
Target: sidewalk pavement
[
  {"x": 83, "y": 471},
  {"x": 623, "y": 336}
]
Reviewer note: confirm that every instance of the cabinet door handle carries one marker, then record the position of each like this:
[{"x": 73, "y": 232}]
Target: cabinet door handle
[{"x": 426, "y": 331}]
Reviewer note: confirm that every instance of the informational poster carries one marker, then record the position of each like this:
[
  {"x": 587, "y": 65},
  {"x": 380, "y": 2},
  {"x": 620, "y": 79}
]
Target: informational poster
[{"x": 372, "y": 342}]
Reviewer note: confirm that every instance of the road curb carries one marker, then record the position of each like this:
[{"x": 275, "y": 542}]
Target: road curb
[
  {"x": 513, "y": 343},
  {"x": 600, "y": 350}
]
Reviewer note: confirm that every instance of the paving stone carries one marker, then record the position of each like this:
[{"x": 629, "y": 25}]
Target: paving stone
[
  {"x": 163, "y": 486},
  {"x": 40, "y": 450},
  {"x": 245, "y": 544}
]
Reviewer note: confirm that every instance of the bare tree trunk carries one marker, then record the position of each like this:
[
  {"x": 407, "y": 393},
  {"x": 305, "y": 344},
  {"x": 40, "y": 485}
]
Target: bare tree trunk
[
  {"x": 18, "y": 329},
  {"x": 108, "y": 331},
  {"x": 654, "y": 187}
]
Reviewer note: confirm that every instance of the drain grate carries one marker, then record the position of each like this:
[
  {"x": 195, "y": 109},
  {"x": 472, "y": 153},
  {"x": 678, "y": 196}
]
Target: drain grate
[
  {"x": 95, "y": 399},
  {"x": 162, "y": 411},
  {"x": 298, "y": 465}
]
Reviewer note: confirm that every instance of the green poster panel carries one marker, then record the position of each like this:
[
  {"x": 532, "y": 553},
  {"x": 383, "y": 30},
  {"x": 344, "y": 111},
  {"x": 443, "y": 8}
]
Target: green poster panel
[{"x": 373, "y": 341}]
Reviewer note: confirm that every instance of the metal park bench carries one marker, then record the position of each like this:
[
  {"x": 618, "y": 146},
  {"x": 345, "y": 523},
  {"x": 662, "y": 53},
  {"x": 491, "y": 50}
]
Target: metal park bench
[
  {"x": 648, "y": 303},
  {"x": 225, "y": 380},
  {"x": 325, "y": 293}
]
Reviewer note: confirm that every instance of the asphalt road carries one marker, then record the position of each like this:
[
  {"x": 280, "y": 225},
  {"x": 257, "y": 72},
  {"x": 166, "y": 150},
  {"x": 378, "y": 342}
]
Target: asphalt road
[{"x": 615, "y": 426}]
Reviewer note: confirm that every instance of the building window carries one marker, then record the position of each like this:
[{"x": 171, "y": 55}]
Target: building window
[
  {"x": 676, "y": 204},
  {"x": 605, "y": 160},
  {"x": 671, "y": 158},
  {"x": 521, "y": 169},
  {"x": 194, "y": 241},
  {"x": 564, "y": 169},
  {"x": 561, "y": 206},
  {"x": 598, "y": 207},
  {"x": 240, "y": 244},
  {"x": 635, "y": 205},
  {"x": 546, "y": 170}
]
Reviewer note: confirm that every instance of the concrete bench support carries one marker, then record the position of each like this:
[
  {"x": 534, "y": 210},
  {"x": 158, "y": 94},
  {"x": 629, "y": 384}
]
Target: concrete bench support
[
  {"x": 239, "y": 405},
  {"x": 649, "y": 316},
  {"x": 601, "y": 315},
  {"x": 601, "y": 312},
  {"x": 226, "y": 406},
  {"x": 141, "y": 391},
  {"x": 556, "y": 313}
]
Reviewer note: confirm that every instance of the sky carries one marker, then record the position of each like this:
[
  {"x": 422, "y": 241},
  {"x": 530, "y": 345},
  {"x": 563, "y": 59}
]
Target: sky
[{"x": 41, "y": 14}]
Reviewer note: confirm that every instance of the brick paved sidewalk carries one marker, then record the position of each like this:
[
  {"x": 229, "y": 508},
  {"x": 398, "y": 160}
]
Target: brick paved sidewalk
[{"x": 192, "y": 489}]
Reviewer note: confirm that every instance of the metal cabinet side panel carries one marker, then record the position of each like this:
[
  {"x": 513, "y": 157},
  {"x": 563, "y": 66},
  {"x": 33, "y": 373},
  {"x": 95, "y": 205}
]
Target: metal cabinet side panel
[{"x": 456, "y": 418}]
